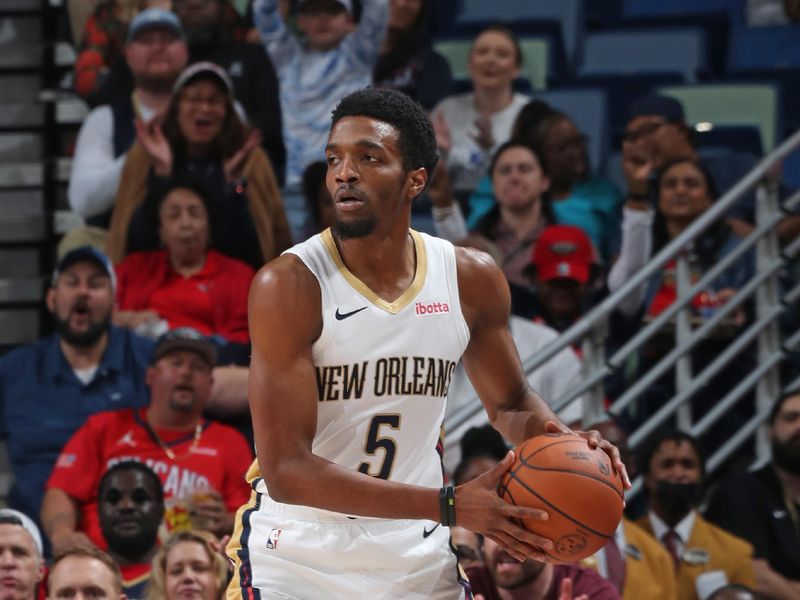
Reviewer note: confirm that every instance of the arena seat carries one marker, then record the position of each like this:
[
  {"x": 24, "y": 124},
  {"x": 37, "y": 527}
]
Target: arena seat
[
  {"x": 764, "y": 48},
  {"x": 644, "y": 51},
  {"x": 536, "y": 59},
  {"x": 756, "y": 104},
  {"x": 569, "y": 13},
  {"x": 651, "y": 8},
  {"x": 588, "y": 108}
]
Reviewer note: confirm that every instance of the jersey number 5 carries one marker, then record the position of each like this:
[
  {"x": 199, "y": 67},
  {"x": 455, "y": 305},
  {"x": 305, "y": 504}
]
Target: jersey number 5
[{"x": 376, "y": 442}]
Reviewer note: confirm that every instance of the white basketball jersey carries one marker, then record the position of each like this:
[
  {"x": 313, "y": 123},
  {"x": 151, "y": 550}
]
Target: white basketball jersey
[{"x": 383, "y": 368}]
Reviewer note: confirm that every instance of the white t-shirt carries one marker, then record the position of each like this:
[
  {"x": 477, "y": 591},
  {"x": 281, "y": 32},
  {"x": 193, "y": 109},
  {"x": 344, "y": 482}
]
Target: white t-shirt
[
  {"x": 467, "y": 162},
  {"x": 551, "y": 381}
]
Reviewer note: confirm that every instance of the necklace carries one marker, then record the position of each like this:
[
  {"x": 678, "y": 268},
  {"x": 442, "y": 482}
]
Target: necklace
[{"x": 198, "y": 433}]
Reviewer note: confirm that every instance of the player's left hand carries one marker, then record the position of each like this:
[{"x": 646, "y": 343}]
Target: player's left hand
[{"x": 596, "y": 441}]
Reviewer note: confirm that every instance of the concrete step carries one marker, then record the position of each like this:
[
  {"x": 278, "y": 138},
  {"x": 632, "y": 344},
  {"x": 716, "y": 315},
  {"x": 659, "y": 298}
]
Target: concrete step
[
  {"x": 19, "y": 325},
  {"x": 23, "y": 228},
  {"x": 21, "y": 114},
  {"x": 12, "y": 6},
  {"x": 28, "y": 56},
  {"x": 16, "y": 30},
  {"x": 20, "y": 88},
  {"x": 19, "y": 262},
  {"x": 21, "y": 202},
  {"x": 19, "y": 290},
  {"x": 21, "y": 174},
  {"x": 21, "y": 146}
]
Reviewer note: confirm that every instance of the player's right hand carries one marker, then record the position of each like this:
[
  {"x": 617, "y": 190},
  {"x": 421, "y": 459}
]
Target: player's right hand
[{"x": 481, "y": 510}]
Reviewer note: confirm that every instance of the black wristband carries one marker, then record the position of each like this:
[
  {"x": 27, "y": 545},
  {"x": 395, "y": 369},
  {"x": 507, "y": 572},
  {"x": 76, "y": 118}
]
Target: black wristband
[{"x": 447, "y": 506}]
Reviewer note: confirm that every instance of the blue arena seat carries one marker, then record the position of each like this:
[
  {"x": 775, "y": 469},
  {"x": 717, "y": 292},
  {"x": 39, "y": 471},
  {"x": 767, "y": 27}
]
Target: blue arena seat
[
  {"x": 588, "y": 108},
  {"x": 788, "y": 82},
  {"x": 765, "y": 48},
  {"x": 569, "y": 13},
  {"x": 644, "y": 51},
  {"x": 622, "y": 90},
  {"x": 657, "y": 8},
  {"x": 755, "y": 104},
  {"x": 716, "y": 25},
  {"x": 538, "y": 61},
  {"x": 737, "y": 138}
]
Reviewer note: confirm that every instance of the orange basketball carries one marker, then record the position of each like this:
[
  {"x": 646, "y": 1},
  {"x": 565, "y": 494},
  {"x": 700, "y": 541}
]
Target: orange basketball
[{"x": 576, "y": 485}]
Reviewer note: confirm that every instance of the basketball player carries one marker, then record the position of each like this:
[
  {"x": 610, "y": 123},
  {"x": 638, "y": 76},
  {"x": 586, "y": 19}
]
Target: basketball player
[{"x": 355, "y": 335}]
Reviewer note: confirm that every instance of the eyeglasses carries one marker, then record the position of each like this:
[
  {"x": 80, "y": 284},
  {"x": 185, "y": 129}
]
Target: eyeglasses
[{"x": 643, "y": 131}]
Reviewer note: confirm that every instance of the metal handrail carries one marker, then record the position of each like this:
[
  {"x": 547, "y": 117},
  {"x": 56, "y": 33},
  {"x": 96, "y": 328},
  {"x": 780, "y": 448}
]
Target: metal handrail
[{"x": 768, "y": 266}]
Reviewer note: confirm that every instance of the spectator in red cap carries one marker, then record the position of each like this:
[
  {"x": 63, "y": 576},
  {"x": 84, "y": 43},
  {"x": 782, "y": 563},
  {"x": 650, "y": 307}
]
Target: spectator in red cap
[{"x": 565, "y": 268}]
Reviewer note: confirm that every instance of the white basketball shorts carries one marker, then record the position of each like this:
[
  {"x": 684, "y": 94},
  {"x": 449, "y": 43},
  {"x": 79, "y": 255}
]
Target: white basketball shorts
[{"x": 290, "y": 552}]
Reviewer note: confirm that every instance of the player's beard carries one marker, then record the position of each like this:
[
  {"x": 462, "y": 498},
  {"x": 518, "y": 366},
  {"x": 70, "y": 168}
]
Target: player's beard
[
  {"x": 82, "y": 339},
  {"x": 786, "y": 454},
  {"x": 354, "y": 229}
]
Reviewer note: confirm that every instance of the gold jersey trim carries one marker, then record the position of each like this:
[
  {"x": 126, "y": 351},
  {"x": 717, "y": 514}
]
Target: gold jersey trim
[{"x": 405, "y": 298}]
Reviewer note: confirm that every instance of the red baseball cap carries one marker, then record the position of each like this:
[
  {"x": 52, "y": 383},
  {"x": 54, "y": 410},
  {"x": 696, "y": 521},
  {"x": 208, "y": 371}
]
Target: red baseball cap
[{"x": 563, "y": 251}]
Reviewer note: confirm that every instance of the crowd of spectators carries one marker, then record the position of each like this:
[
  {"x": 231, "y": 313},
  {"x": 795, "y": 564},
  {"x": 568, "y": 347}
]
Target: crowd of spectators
[{"x": 203, "y": 158}]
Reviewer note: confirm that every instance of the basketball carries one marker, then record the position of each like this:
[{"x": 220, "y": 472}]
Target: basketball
[{"x": 577, "y": 486}]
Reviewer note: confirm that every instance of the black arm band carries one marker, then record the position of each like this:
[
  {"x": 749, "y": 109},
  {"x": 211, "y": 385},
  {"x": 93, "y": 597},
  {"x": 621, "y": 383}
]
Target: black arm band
[{"x": 447, "y": 506}]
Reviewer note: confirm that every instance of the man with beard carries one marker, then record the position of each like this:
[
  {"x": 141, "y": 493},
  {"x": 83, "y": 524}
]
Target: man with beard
[
  {"x": 49, "y": 388},
  {"x": 535, "y": 580},
  {"x": 131, "y": 508},
  {"x": 762, "y": 506},
  {"x": 156, "y": 53},
  {"x": 248, "y": 66},
  {"x": 200, "y": 463},
  {"x": 673, "y": 470},
  {"x": 355, "y": 335}
]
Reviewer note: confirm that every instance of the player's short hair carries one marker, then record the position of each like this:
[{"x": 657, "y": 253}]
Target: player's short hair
[
  {"x": 132, "y": 465},
  {"x": 416, "y": 139},
  {"x": 88, "y": 551},
  {"x": 676, "y": 436}
]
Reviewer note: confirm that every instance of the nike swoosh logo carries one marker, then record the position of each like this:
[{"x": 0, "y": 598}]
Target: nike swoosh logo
[
  {"x": 426, "y": 533},
  {"x": 343, "y": 316}
]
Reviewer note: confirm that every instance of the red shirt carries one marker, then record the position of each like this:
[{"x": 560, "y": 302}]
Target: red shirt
[
  {"x": 213, "y": 300},
  {"x": 217, "y": 462},
  {"x": 667, "y": 292}
]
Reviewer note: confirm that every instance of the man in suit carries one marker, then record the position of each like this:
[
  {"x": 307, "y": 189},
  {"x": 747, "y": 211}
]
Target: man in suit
[{"x": 673, "y": 469}]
